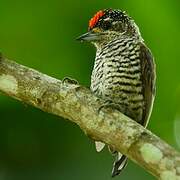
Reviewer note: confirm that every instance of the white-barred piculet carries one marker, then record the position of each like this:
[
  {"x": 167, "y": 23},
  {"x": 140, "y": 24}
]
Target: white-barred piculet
[{"x": 124, "y": 69}]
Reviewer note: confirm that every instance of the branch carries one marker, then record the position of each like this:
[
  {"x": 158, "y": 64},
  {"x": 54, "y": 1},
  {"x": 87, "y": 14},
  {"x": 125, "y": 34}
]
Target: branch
[{"x": 80, "y": 106}]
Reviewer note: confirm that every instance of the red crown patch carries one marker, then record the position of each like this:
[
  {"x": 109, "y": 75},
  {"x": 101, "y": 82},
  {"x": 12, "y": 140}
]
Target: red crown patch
[{"x": 95, "y": 19}]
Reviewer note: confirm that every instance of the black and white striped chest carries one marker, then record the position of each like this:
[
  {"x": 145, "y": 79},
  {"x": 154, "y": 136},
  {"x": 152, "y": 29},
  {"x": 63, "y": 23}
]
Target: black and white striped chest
[{"x": 117, "y": 65}]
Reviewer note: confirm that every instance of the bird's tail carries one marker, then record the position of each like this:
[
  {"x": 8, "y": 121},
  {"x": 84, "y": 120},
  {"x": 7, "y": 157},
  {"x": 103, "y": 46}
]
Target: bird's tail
[{"x": 119, "y": 164}]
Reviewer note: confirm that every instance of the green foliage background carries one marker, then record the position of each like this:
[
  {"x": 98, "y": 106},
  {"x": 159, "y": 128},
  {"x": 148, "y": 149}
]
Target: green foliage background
[{"x": 41, "y": 34}]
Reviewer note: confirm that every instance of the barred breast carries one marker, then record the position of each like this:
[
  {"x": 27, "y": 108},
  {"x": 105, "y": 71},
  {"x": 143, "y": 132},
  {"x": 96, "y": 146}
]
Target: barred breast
[{"x": 117, "y": 76}]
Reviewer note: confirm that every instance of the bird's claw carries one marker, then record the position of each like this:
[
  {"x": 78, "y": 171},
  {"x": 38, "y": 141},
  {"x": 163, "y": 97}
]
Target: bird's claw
[{"x": 70, "y": 81}]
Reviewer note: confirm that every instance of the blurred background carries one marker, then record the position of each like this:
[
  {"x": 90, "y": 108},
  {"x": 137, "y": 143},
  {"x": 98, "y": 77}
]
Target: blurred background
[{"x": 41, "y": 34}]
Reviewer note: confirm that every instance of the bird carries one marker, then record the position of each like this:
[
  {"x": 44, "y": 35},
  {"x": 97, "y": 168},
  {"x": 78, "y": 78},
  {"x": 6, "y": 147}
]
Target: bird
[{"x": 124, "y": 70}]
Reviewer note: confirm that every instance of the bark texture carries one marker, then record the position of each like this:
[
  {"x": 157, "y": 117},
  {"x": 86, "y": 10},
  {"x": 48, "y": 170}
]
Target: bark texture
[{"x": 77, "y": 104}]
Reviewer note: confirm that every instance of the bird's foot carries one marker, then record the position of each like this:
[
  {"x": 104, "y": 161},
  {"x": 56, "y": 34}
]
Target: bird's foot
[{"x": 70, "y": 81}]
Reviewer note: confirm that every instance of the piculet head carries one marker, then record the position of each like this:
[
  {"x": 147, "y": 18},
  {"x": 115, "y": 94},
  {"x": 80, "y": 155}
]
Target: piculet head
[{"x": 107, "y": 25}]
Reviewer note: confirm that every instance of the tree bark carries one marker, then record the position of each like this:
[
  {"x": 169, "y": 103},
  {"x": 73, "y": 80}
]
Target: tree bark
[{"x": 77, "y": 104}]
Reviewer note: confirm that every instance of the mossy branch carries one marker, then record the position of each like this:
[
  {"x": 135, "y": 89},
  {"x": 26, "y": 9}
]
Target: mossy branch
[{"x": 79, "y": 105}]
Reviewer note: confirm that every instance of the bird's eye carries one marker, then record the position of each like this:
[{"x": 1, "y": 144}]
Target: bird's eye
[{"x": 106, "y": 25}]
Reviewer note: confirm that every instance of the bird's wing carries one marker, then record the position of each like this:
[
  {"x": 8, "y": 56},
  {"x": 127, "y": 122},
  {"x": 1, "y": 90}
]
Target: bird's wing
[{"x": 148, "y": 80}]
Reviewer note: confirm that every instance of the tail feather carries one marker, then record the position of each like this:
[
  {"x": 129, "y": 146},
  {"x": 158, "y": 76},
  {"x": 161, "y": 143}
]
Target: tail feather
[{"x": 119, "y": 164}]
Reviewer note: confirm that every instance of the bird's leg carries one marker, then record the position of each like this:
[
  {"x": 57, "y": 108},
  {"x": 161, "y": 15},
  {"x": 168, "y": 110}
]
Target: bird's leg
[{"x": 70, "y": 81}]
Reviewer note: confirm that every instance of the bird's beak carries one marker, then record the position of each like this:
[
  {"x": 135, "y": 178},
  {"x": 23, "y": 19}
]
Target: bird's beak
[{"x": 89, "y": 36}]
